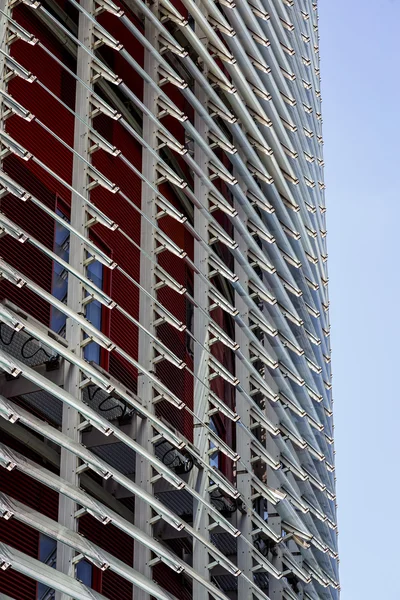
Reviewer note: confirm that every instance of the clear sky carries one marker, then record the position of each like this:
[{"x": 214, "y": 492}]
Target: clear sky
[{"x": 361, "y": 117}]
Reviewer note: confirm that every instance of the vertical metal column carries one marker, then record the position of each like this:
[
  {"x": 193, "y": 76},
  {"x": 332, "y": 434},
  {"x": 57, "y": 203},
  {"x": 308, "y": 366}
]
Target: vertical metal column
[
  {"x": 201, "y": 368},
  {"x": 274, "y": 519},
  {"x": 143, "y": 513},
  {"x": 72, "y": 375},
  {"x": 5, "y": 10},
  {"x": 243, "y": 478}
]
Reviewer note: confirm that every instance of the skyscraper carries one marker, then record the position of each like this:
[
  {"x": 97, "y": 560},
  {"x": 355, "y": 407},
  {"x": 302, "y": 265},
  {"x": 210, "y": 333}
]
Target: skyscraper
[{"x": 165, "y": 389}]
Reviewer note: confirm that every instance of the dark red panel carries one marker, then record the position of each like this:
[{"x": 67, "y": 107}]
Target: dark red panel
[
  {"x": 123, "y": 332},
  {"x": 174, "y": 583},
  {"x": 26, "y": 540},
  {"x": 25, "y": 257},
  {"x": 120, "y": 545},
  {"x": 18, "y": 535},
  {"x": 34, "y": 97},
  {"x": 132, "y": 46}
]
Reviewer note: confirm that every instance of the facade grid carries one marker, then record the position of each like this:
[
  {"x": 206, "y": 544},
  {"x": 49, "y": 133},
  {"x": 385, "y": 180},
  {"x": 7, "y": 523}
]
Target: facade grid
[{"x": 166, "y": 424}]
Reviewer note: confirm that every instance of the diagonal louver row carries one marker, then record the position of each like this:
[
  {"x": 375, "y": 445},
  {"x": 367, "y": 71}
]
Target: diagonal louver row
[{"x": 165, "y": 382}]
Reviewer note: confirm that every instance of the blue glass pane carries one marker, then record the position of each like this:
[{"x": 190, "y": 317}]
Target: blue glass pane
[
  {"x": 60, "y": 290},
  {"x": 47, "y": 555},
  {"x": 84, "y": 572},
  {"x": 47, "y": 546},
  {"x": 214, "y": 458},
  {"x": 60, "y": 276},
  {"x": 93, "y": 311}
]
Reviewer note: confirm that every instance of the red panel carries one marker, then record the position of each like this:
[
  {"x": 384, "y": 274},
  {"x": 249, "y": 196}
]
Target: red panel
[
  {"x": 181, "y": 7},
  {"x": 120, "y": 545},
  {"x": 183, "y": 388},
  {"x": 40, "y": 497},
  {"x": 32, "y": 96},
  {"x": 115, "y": 60},
  {"x": 25, "y": 257},
  {"x": 172, "y": 582},
  {"x": 180, "y": 382},
  {"x": 26, "y": 540},
  {"x": 122, "y": 331},
  {"x": 18, "y": 535},
  {"x": 126, "y": 335}
]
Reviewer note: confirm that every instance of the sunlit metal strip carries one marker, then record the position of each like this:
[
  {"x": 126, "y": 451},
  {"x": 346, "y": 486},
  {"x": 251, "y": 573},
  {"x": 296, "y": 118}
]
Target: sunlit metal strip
[
  {"x": 25, "y": 514},
  {"x": 165, "y": 240},
  {"x": 326, "y": 378},
  {"x": 163, "y": 349},
  {"x": 8, "y": 226},
  {"x": 260, "y": 453},
  {"x": 11, "y": 459},
  {"x": 187, "y": 31},
  {"x": 165, "y": 432},
  {"x": 99, "y": 511},
  {"x": 242, "y": 7},
  {"x": 98, "y": 65},
  {"x": 136, "y": 208},
  {"x": 96, "y": 555},
  {"x": 294, "y": 499},
  {"x": 236, "y": 75},
  {"x": 295, "y": 568},
  {"x": 11, "y": 318},
  {"x": 14, "y": 413},
  {"x": 16, "y": 190},
  {"x": 12, "y": 365},
  {"x": 38, "y": 571},
  {"x": 245, "y": 33},
  {"x": 25, "y": 155},
  {"x": 164, "y": 203},
  {"x": 262, "y": 526}
]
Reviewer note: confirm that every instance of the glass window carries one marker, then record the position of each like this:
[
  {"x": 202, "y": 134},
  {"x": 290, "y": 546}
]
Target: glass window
[
  {"x": 60, "y": 289},
  {"x": 84, "y": 572},
  {"x": 48, "y": 556},
  {"x": 94, "y": 310},
  {"x": 189, "y": 319},
  {"x": 60, "y": 275},
  {"x": 214, "y": 457}
]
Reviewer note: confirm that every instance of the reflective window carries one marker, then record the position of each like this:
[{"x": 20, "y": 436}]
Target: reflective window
[
  {"x": 84, "y": 572},
  {"x": 60, "y": 275},
  {"x": 60, "y": 289},
  {"x": 48, "y": 556},
  {"x": 214, "y": 457},
  {"x": 94, "y": 310}
]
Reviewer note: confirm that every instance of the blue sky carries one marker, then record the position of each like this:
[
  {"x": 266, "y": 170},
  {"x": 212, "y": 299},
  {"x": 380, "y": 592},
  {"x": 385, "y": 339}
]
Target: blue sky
[{"x": 361, "y": 99}]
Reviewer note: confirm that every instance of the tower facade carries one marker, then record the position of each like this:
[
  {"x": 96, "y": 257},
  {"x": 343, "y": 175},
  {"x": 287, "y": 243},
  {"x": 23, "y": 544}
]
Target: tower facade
[{"x": 165, "y": 381}]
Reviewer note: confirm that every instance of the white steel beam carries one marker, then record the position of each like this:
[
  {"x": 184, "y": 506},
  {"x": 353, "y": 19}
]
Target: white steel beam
[
  {"x": 201, "y": 356},
  {"x": 243, "y": 447},
  {"x": 5, "y": 14},
  {"x": 143, "y": 474},
  {"x": 9, "y": 507},
  {"x": 74, "y": 335}
]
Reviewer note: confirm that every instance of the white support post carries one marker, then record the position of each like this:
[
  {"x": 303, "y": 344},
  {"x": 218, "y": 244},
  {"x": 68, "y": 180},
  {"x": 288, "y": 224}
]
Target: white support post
[
  {"x": 71, "y": 418},
  {"x": 274, "y": 519},
  {"x": 244, "y": 468},
  {"x": 143, "y": 513},
  {"x": 201, "y": 366},
  {"x": 5, "y": 11}
]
